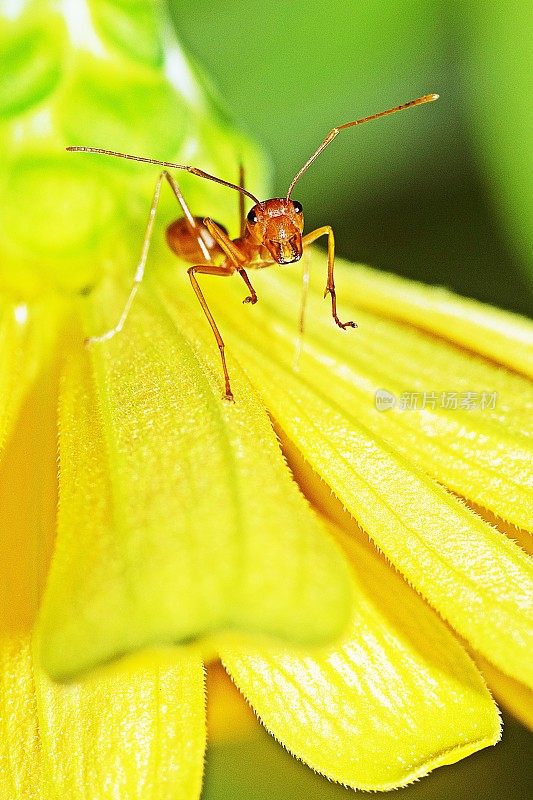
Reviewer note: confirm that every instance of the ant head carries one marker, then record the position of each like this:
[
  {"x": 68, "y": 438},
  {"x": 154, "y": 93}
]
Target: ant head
[{"x": 278, "y": 225}]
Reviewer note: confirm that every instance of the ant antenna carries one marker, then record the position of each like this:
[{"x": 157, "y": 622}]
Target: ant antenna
[
  {"x": 427, "y": 98},
  {"x": 170, "y": 164}
]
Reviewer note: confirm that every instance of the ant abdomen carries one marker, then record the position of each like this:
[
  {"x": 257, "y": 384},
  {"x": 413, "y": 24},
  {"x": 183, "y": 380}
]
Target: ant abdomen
[{"x": 183, "y": 240}]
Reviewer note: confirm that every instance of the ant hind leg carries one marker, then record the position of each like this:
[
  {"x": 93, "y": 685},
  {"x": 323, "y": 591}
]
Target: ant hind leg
[
  {"x": 139, "y": 272},
  {"x": 208, "y": 269},
  {"x": 301, "y": 319}
]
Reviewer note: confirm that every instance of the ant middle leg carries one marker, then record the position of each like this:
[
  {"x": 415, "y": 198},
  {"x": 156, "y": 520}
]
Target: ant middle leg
[
  {"x": 309, "y": 238},
  {"x": 234, "y": 256},
  {"x": 209, "y": 269}
]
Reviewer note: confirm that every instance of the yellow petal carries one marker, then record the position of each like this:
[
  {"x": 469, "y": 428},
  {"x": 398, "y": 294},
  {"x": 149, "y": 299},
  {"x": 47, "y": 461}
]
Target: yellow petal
[
  {"x": 28, "y": 505},
  {"x": 27, "y": 338},
  {"x": 483, "y": 454},
  {"x": 136, "y": 733},
  {"x": 510, "y": 694},
  {"x": 478, "y": 579},
  {"x": 395, "y": 699},
  {"x": 521, "y": 537},
  {"x": 178, "y": 515},
  {"x": 499, "y": 335},
  {"x": 229, "y": 717}
]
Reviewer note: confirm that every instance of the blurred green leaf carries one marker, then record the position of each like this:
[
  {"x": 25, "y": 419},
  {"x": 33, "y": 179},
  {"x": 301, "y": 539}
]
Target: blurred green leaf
[
  {"x": 92, "y": 72},
  {"x": 500, "y": 86},
  {"x": 31, "y": 57}
]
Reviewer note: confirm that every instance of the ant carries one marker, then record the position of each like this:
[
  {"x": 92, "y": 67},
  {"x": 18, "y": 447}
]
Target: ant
[{"x": 271, "y": 233}]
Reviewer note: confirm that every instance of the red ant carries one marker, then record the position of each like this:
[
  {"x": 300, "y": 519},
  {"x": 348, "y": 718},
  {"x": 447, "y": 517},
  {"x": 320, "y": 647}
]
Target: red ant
[{"x": 271, "y": 233}]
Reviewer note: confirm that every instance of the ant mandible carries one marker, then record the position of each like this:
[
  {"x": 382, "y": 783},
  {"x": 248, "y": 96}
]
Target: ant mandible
[{"x": 271, "y": 233}]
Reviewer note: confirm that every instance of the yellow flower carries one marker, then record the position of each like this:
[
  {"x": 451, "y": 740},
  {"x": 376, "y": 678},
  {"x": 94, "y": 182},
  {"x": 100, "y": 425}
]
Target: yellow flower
[
  {"x": 174, "y": 504},
  {"x": 176, "y": 534}
]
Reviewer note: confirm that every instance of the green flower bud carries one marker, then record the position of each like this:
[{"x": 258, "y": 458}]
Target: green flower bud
[{"x": 104, "y": 75}]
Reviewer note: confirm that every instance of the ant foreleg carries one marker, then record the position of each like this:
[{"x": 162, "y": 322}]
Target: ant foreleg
[
  {"x": 309, "y": 238},
  {"x": 252, "y": 297},
  {"x": 233, "y": 254},
  {"x": 208, "y": 269}
]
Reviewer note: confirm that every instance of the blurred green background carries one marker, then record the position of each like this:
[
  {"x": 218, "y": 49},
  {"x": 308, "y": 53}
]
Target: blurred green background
[
  {"x": 442, "y": 193},
  {"x": 259, "y": 769}
]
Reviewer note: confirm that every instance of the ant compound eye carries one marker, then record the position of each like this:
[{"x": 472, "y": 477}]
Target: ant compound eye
[
  {"x": 251, "y": 216},
  {"x": 297, "y": 207}
]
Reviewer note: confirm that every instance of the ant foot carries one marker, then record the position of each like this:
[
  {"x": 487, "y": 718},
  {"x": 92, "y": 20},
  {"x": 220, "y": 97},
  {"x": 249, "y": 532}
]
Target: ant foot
[
  {"x": 250, "y": 299},
  {"x": 229, "y": 397},
  {"x": 90, "y": 340},
  {"x": 345, "y": 325}
]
